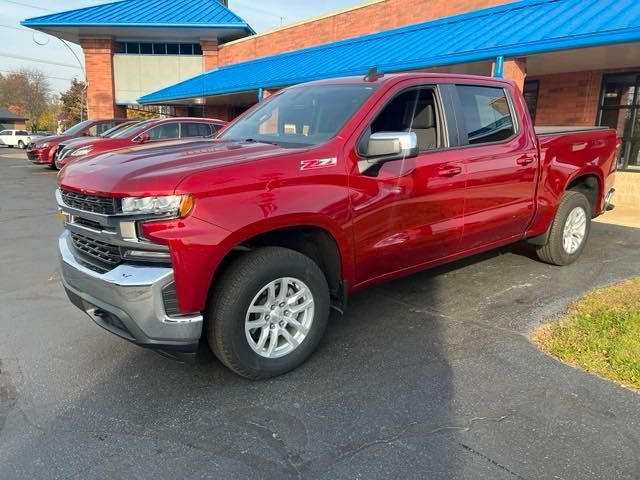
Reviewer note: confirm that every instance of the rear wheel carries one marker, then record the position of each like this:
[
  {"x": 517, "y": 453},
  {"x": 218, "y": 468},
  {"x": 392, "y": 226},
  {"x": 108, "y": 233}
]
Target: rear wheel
[
  {"x": 569, "y": 231},
  {"x": 267, "y": 312}
]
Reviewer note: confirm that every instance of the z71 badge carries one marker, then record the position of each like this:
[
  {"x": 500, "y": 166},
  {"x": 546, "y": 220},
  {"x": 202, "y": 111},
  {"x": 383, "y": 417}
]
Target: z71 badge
[{"x": 321, "y": 163}]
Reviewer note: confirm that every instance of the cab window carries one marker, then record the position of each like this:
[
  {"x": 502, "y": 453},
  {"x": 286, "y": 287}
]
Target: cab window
[
  {"x": 413, "y": 110},
  {"x": 195, "y": 129},
  {"x": 486, "y": 113},
  {"x": 5, "y": 132},
  {"x": 164, "y": 132}
]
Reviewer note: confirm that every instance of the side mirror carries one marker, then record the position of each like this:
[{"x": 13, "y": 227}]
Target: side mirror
[
  {"x": 145, "y": 137},
  {"x": 385, "y": 146}
]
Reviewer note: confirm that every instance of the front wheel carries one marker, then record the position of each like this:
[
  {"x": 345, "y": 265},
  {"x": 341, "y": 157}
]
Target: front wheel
[
  {"x": 21, "y": 144},
  {"x": 569, "y": 231},
  {"x": 268, "y": 312}
]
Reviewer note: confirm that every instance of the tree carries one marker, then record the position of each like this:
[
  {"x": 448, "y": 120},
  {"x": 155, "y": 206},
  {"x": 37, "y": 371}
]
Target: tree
[
  {"x": 73, "y": 103},
  {"x": 26, "y": 92}
]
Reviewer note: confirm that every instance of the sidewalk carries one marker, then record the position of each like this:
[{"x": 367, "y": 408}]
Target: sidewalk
[{"x": 623, "y": 215}]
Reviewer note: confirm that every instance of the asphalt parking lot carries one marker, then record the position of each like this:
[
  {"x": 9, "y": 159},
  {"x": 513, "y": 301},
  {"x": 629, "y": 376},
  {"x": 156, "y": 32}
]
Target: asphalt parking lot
[{"x": 429, "y": 377}]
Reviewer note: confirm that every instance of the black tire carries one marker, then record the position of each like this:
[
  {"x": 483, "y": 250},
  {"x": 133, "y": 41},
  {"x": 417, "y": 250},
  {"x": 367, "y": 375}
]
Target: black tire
[
  {"x": 554, "y": 252},
  {"x": 21, "y": 144},
  {"x": 53, "y": 166},
  {"x": 230, "y": 300}
]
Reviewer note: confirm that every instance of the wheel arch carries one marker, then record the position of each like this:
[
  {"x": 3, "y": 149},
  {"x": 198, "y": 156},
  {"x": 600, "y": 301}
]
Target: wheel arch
[{"x": 326, "y": 245}]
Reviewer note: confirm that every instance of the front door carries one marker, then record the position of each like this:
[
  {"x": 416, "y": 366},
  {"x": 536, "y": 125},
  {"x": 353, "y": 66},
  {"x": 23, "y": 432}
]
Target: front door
[{"x": 408, "y": 213}]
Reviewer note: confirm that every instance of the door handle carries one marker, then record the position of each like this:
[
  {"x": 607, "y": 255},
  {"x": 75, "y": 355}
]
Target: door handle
[
  {"x": 450, "y": 171},
  {"x": 525, "y": 160}
]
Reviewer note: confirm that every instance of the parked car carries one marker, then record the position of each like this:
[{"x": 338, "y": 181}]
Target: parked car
[
  {"x": 149, "y": 131},
  {"x": 16, "y": 138},
  {"x": 319, "y": 191},
  {"x": 43, "y": 151},
  {"x": 70, "y": 145}
]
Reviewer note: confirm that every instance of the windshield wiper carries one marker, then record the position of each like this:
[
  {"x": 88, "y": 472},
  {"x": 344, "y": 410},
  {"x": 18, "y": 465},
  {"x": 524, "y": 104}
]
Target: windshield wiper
[{"x": 253, "y": 140}]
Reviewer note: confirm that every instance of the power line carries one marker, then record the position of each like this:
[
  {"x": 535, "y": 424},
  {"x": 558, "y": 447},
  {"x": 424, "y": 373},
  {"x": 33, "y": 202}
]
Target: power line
[
  {"x": 39, "y": 60},
  {"x": 28, "y": 5}
]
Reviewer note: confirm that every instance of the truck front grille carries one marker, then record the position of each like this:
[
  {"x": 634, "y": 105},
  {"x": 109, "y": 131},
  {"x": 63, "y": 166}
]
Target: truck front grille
[
  {"x": 95, "y": 249},
  {"x": 91, "y": 203}
]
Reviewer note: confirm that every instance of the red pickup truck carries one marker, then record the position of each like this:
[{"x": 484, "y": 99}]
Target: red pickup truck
[{"x": 324, "y": 188}]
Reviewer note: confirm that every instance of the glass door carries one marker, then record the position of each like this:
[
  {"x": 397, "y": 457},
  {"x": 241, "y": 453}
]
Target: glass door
[{"x": 619, "y": 105}]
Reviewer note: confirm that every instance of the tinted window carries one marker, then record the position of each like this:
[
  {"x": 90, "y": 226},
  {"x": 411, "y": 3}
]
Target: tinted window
[
  {"x": 22, "y": 132},
  {"x": 5, "y": 132},
  {"x": 486, "y": 113},
  {"x": 411, "y": 111},
  {"x": 146, "y": 48},
  {"x": 103, "y": 127},
  {"x": 77, "y": 128},
  {"x": 164, "y": 132},
  {"x": 186, "y": 49},
  {"x": 132, "y": 47},
  {"x": 193, "y": 129},
  {"x": 301, "y": 116},
  {"x": 173, "y": 49}
]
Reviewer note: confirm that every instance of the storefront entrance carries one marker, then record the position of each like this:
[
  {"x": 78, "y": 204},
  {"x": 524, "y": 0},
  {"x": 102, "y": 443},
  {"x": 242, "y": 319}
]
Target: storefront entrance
[{"x": 619, "y": 109}]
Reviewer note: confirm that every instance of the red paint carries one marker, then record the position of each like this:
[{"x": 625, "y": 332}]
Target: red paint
[
  {"x": 417, "y": 213},
  {"x": 101, "y": 145},
  {"x": 39, "y": 154}
]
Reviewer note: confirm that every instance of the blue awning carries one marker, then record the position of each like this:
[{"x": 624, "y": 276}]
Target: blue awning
[
  {"x": 517, "y": 29},
  {"x": 134, "y": 16}
]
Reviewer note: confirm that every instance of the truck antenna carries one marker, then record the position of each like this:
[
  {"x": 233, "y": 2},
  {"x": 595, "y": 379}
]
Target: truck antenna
[{"x": 373, "y": 75}]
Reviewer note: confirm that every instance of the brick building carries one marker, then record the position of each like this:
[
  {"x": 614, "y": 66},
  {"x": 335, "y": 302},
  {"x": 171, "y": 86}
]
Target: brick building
[{"x": 577, "y": 61}]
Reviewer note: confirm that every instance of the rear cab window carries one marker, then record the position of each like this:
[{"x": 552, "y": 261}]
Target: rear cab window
[{"x": 487, "y": 114}]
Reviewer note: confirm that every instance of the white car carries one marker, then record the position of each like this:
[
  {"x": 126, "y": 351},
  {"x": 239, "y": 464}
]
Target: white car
[{"x": 16, "y": 138}]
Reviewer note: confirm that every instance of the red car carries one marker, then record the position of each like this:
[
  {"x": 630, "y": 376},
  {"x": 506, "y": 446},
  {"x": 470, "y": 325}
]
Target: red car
[
  {"x": 43, "y": 150},
  {"x": 147, "y": 132},
  {"x": 250, "y": 239}
]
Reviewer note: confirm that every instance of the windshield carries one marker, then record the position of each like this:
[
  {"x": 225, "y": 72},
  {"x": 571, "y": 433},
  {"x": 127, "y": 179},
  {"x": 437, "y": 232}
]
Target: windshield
[
  {"x": 301, "y": 116},
  {"x": 112, "y": 131},
  {"x": 132, "y": 129},
  {"x": 77, "y": 127}
]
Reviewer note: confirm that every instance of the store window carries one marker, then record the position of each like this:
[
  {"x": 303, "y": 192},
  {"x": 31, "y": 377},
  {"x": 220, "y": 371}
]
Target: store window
[
  {"x": 157, "y": 48},
  {"x": 530, "y": 92},
  {"x": 620, "y": 110}
]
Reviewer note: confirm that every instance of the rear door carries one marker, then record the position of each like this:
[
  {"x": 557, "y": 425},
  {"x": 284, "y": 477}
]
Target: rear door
[
  {"x": 501, "y": 162},
  {"x": 408, "y": 213}
]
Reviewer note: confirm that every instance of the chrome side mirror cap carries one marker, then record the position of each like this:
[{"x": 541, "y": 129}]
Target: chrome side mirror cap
[{"x": 386, "y": 146}]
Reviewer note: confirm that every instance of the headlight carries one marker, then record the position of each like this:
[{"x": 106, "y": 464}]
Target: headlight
[
  {"x": 81, "y": 151},
  {"x": 45, "y": 145},
  {"x": 178, "y": 205}
]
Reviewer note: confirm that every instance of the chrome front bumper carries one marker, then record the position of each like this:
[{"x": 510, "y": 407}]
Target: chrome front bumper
[{"x": 127, "y": 301}]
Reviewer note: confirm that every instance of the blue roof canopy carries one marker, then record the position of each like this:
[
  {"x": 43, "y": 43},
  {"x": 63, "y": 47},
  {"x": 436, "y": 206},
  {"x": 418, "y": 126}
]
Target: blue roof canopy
[
  {"x": 132, "y": 18},
  {"x": 517, "y": 29}
]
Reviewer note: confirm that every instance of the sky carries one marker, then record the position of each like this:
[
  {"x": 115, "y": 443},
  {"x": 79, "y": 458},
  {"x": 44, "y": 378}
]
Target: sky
[{"x": 21, "y": 47}]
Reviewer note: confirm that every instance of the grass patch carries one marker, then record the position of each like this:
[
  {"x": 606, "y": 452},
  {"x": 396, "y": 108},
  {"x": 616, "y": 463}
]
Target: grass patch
[{"x": 601, "y": 334}]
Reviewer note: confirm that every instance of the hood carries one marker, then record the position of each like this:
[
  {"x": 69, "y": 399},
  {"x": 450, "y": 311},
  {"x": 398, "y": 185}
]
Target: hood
[
  {"x": 55, "y": 139},
  {"x": 157, "y": 169},
  {"x": 82, "y": 141}
]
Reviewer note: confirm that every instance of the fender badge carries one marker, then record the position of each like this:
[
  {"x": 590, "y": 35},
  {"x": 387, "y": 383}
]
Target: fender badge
[{"x": 320, "y": 163}]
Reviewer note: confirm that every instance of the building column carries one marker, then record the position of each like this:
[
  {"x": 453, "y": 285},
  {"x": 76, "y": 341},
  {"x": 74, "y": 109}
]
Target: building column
[
  {"x": 98, "y": 59},
  {"x": 209, "y": 54},
  {"x": 514, "y": 69}
]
